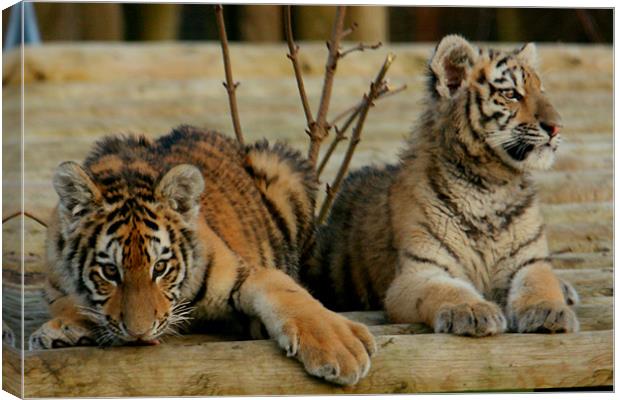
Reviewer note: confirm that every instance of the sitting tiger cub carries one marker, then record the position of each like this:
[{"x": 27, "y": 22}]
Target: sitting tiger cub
[
  {"x": 193, "y": 225},
  {"x": 452, "y": 236}
]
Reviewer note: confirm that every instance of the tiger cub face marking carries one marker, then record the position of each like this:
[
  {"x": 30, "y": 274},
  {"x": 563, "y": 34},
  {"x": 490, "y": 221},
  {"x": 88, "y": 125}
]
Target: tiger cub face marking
[
  {"x": 130, "y": 249},
  {"x": 504, "y": 101}
]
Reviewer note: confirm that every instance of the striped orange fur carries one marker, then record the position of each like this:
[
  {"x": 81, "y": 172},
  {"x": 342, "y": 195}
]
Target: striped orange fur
[{"x": 191, "y": 226}]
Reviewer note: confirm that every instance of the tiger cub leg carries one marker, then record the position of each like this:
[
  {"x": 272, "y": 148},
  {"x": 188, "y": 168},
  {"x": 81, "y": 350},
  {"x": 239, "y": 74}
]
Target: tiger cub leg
[
  {"x": 329, "y": 345},
  {"x": 539, "y": 302},
  {"x": 428, "y": 294},
  {"x": 68, "y": 327}
]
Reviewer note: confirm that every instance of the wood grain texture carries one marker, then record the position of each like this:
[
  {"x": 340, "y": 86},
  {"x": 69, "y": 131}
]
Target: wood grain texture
[{"x": 403, "y": 364}]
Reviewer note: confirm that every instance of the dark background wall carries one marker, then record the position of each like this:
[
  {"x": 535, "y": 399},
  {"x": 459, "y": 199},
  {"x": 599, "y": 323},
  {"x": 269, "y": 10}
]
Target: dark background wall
[{"x": 122, "y": 21}]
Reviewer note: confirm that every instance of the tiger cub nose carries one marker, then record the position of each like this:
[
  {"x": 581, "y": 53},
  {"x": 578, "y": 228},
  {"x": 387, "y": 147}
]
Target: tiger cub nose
[{"x": 552, "y": 130}]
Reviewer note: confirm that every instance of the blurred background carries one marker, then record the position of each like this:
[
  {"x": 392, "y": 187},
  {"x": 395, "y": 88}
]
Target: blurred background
[{"x": 263, "y": 23}]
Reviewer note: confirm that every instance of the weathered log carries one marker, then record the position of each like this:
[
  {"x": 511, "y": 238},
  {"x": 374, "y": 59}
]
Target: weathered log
[{"x": 404, "y": 364}]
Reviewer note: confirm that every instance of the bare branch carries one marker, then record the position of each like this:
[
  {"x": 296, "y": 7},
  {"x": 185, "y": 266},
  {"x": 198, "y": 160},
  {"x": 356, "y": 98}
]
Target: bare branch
[
  {"x": 352, "y": 112},
  {"x": 340, "y": 136},
  {"x": 375, "y": 88},
  {"x": 292, "y": 55},
  {"x": 361, "y": 47},
  {"x": 319, "y": 130},
  {"x": 27, "y": 214},
  {"x": 230, "y": 84},
  {"x": 349, "y": 31}
]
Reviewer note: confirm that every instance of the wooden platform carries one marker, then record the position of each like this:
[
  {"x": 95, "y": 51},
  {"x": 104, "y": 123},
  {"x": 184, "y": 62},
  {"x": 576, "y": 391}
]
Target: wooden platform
[{"x": 74, "y": 94}]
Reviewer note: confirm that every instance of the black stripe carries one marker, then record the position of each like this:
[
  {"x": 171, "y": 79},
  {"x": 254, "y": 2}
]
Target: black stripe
[
  {"x": 502, "y": 61},
  {"x": 122, "y": 210},
  {"x": 277, "y": 217},
  {"x": 463, "y": 171},
  {"x": 116, "y": 225},
  {"x": 516, "y": 211},
  {"x": 113, "y": 198},
  {"x": 242, "y": 274},
  {"x": 60, "y": 243},
  {"x": 539, "y": 233},
  {"x": 151, "y": 224},
  {"x": 524, "y": 264},
  {"x": 450, "y": 208},
  {"x": 109, "y": 180},
  {"x": 443, "y": 244},
  {"x": 425, "y": 260},
  {"x": 148, "y": 212},
  {"x": 200, "y": 294}
]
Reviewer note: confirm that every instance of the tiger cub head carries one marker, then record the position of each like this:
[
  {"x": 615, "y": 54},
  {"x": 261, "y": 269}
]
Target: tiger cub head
[
  {"x": 500, "y": 97},
  {"x": 126, "y": 242}
]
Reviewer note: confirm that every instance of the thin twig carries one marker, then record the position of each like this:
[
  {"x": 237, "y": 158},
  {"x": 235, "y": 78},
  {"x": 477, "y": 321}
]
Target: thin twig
[
  {"x": 361, "y": 47},
  {"x": 352, "y": 112},
  {"x": 375, "y": 87},
  {"x": 293, "y": 49},
  {"x": 319, "y": 130},
  {"x": 340, "y": 136},
  {"x": 349, "y": 31},
  {"x": 230, "y": 84},
  {"x": 26, "y": 214}
]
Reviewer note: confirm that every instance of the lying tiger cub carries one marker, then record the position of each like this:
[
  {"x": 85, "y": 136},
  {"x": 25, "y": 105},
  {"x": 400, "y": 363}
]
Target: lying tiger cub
[
  {"x": 150, "y": 233},
  {"x": 452, "y": 236}
]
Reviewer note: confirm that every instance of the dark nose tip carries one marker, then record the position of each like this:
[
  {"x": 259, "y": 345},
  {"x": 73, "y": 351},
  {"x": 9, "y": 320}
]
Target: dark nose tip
[{"x": 551, "y": 129}]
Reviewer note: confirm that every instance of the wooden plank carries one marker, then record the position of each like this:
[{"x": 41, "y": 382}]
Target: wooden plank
[
  {"x": 11, "y": 371},
  {"x": 595, "y": 311},
  {"x": 404, "y": 364},
  {"x": 108, "y": 62},
  {"x": 597, "y": 317},
  {"x": 580, "y": 237},
  {"x": 582, "y": 260}
]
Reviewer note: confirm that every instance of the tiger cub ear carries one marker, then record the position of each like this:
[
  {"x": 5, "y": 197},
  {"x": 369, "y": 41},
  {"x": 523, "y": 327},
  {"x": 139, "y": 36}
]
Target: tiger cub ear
[
  {"x": 77, "y": 192},
  {"x": 451, "y": 64},
  {"x": 528, "y": 54},
  {"x": 181, "y": 188}
]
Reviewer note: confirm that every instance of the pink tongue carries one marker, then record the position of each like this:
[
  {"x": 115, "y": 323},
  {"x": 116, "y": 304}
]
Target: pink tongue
[{"x": 150, "y": 342}]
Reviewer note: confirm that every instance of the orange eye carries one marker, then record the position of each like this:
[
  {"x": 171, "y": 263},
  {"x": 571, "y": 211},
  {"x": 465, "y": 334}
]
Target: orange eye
[
  {"x": 159, "y": 268},
  {"x": 511, "y": 94},
  {"x": 110, "y": 272}
]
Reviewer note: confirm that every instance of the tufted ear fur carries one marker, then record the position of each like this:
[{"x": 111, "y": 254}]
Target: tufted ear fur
[
  {"x": 181, "y": 187},
  {"x": 528, "y": 54},
  {"x": 77, "y": 192},
  {"x": 451, "y": 64}
]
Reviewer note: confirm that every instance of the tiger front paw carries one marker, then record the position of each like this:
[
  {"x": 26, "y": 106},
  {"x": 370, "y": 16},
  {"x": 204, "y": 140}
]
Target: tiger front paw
[
  {"x": 544, "y": 317},
  {"x": 478, "y": 319},
  {"x": 57, "y": 333},
  {"x": 330, "y": 346}
]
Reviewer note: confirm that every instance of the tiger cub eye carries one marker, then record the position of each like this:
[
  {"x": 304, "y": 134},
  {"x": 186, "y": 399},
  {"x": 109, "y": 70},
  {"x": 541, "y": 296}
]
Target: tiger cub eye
[
  {"x": 511, "y": 94},
  {"x": 110, "y": 272},
  {"x": 159, "y": 268}
]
